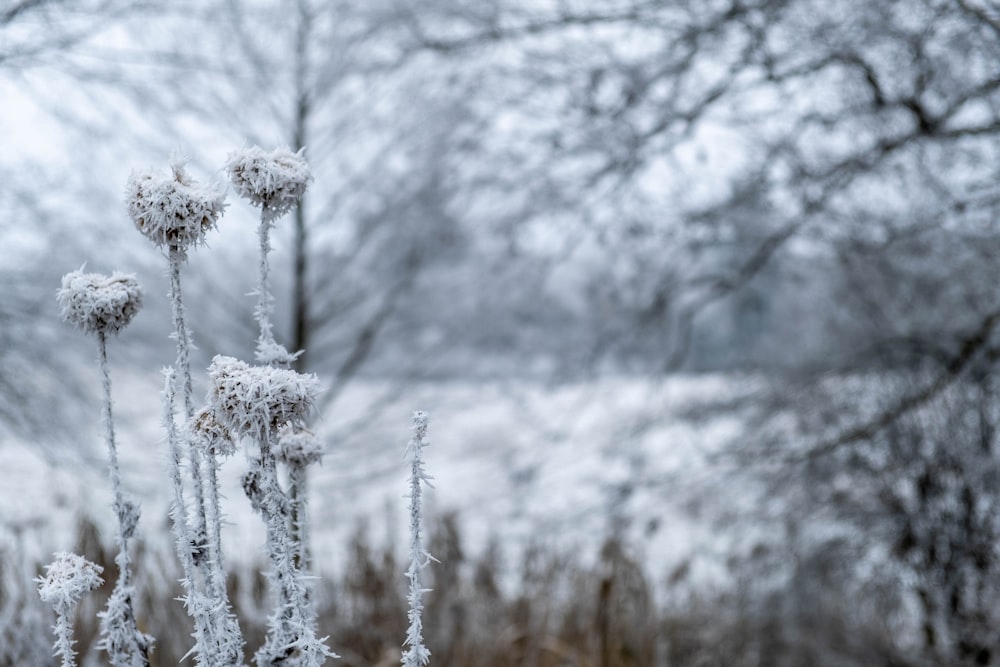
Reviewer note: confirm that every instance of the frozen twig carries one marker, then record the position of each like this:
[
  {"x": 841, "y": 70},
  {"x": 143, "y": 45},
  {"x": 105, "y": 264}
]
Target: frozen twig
[{"x": 416, "y": 654}]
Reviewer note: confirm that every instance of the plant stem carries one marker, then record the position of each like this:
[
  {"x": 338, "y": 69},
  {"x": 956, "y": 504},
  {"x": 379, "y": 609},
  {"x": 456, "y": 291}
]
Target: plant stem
[
  {"x": 120, "y": 633},
  {"x": 417, "y": 654},
  {"x": 265, "y": 340},
  {"x": 205, "y": 535},
  {"x": 297, "y": 484},
  {"x": 113, "y": 469},
  {"x": 292, "y": 625},
  {"x": 182, "y": 532},
  {"x": 183, "y": 337}
]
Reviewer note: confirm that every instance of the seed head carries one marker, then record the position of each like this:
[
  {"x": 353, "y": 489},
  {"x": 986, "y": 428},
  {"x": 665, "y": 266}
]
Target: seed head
[
  {"x": 208, "y": 433},
  {"x": 299, "y": 446},
  {"x": 173, "y": 211},
  {"x": 273, "y": 181},
  {"x": 67, "y": 579},
  {"x": 97, "y": 303},
  {"x": 252, "y": 400}
]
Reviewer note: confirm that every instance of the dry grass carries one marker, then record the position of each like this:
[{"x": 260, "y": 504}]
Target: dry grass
[{"x": 549, "y": 611}]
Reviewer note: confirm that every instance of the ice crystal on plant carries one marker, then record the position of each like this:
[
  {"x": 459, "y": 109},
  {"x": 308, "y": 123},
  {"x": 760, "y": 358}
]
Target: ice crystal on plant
[
  {"x": 67, "y": 579},
  {"x": 416, "y": 654},
  {"x": 274, "y": 181},
  {"x": 208, "y": 433},
  {"x": 97, "y": 303},
  {"x": 299, "y": 446},
  {"x": 120, "y": 637},
  {"x": 271, "y": 353},
  {"x": 173, "y": 211},
  {"x": 258, "y": 400}
]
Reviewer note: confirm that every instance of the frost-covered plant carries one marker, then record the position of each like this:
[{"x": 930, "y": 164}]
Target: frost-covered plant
[
  {"x": 209, "y": 434},
  {"x": 218, "y": 639},
  {"x": 172, "y": 210},
  {"x": 298, "y": 448},
  {"x": 266, "y": 405},
  {"x": 175, "y": 213},
  {"x": 257, "y": 402},
  {"x": 67, "y": 579},
  {"x": 416, "y": 654},
  {"x": 101, "y": 305},
  {"x": 274, "y": 182}
]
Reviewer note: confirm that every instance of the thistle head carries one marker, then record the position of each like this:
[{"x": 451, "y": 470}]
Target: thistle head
[
  {"x": 172, "y": 210},
  {"x": 299, "y": 446},
  {"x": 97, "y": 303},
  {"x": 255, "y": 400},
  {"x": 274, "y": 181},
  {"x": 209, "y": 434},
  {"x": 67, "y": 579}
]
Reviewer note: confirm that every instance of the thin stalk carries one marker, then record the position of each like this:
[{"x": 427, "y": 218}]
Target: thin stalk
[
  {"x": 297, "y": 484},
  {"x": 182, "y": 532},
  {"x": 206, "y": 540},
  {"x": 120, "y": 633},
  {"x": 416, "y": 655},
  {"x": 292, "y": 626},
  {"x": 113, "y": 470},
  {"x": 183, "y": 337},
  {"x": 265, "y": 305},
  {"x": 64, "y": 638}
]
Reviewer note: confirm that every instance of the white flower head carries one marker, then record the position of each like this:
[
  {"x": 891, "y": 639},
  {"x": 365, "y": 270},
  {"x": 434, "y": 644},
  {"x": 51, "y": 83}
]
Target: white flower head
[
  {"x": 67, "y": 579},
  {"x": 97, "y": 303},
  {"x": 274, "y": 181},
  {"x": 252, "y": 400},
  {"x": 299, "y": 446},
  {"x": 173, "y": 211}
]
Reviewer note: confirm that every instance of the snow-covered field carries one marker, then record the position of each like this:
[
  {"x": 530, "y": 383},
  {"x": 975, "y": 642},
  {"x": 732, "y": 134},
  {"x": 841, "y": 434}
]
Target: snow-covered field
[{"x": 518, "y": 461}]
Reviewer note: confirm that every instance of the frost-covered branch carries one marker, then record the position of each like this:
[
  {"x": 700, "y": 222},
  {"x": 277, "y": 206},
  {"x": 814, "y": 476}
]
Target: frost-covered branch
[{"x": 416, "y": 654}]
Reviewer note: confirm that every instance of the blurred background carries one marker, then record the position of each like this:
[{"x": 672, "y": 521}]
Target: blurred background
[{"x": 701, "y": 298}]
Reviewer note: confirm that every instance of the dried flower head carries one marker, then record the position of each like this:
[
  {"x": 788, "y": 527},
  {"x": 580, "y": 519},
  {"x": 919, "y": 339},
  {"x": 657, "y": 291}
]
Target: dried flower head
[
  {"x": 208, "y": 433},
  {"x": 97, "y": 303},
  {"x": 67, "y": 579},
  {"x": 173, "y": 211},
  {"x": 251, "y": 400},
  {"x": 273, "y": 181},
  {"x": 299, "y": 446}
]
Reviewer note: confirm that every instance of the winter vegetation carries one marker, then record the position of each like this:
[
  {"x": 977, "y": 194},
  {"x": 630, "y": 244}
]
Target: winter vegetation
[
  {"x": 66, "y": 580},
  {"x": 701, "y": 297},
  {"x": 264, "y": 407}
]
